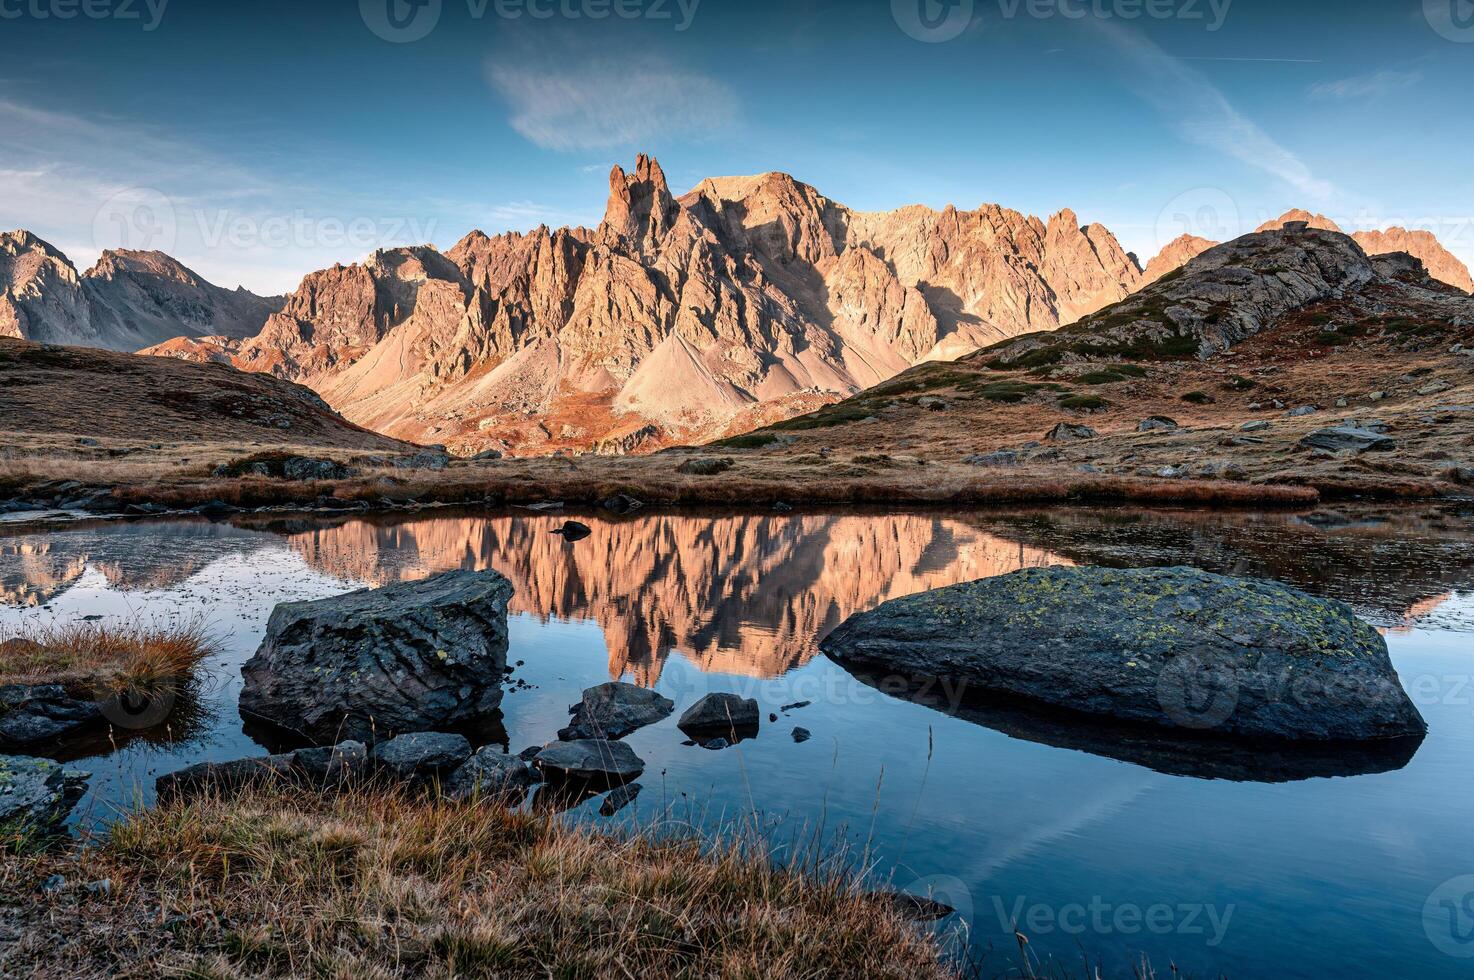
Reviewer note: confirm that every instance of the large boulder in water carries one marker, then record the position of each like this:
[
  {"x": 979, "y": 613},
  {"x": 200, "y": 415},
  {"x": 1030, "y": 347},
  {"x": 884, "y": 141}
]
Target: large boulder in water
[
  {"x": 1174, "y": 647},
  {"x": 369, "y": 665}
]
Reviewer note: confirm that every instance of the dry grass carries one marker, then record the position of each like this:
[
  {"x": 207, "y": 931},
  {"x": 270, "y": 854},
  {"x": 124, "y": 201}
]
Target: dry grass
[
  {"x": 103, "y": 658},
  {"x": 274, "y": 883}
]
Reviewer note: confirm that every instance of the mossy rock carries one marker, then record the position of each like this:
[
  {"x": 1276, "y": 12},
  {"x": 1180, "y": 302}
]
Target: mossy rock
[{"x": 1170, "y": 647}]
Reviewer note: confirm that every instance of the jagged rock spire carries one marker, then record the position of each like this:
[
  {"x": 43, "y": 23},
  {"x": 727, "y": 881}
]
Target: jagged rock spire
[{"x": 641, "y": 208}]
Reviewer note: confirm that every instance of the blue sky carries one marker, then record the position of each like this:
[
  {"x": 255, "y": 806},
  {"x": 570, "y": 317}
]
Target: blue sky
[{"x": 258, "y": 141}]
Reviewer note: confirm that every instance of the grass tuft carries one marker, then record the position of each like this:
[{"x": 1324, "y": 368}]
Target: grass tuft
[
  {"x": 102, "y": 657},
  {"x": 281, "y": 883}
]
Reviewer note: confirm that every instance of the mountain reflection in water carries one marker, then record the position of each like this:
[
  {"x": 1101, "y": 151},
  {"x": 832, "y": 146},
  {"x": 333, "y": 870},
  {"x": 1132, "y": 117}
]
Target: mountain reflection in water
[{"x": 739, "y": 595}]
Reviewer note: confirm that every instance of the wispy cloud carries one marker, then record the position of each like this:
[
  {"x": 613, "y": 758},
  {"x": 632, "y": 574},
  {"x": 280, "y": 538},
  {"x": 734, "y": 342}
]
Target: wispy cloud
[
  {"x": 86, "y": 183},
  {"x": 566, "y": 104},
  {"x": 1201, "y": 113},
  {"x": 1366, "y": 86}
]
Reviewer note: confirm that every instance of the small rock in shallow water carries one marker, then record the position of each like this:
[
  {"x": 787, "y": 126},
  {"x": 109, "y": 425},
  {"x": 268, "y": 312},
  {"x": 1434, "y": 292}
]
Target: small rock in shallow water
[
  {"x": 615, "y": 709},
  {"x": 801, "y": 734},
  {"x": 590, "y": 759},
  {"x": 914, "y": 907},
  {"x": 623, "y": 504},
  {"x": 619, "y": 798},
  {"x": 573, "y": 530},
  {"x": 491, "y": 774},
  {"x": 720, "y": 713}
]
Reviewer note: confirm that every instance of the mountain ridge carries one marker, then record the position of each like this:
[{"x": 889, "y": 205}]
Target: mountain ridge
[
  {"x": 127, "y": 301},
  {"x": 747, "y": 299}
]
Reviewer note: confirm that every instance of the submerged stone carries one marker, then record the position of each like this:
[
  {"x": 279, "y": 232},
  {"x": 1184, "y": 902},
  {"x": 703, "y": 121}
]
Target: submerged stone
[{"x": 721, "y": 714}]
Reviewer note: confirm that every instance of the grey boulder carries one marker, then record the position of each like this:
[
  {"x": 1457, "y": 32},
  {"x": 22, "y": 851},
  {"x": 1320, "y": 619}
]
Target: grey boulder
[
  {"x": 720, "y": 714},
  {"x": 30, "y": 715},
  {"x": 327, "y": 768},
  {"x": 1157, "y": 423},
  {"x": 372, "y": 664},
  {"x": 1173, "y": 647},
  {"x": 1000, "y": 459},
  {"x": 1070, "y": 432},
  {"x": 613, "y": 710},
  {"x": 1342, "y": 438},
  {"x": 590, "y": 759},
  {"x": 491, "y": 774},
  {"x": 36, "y": 797},
  {"x": 420, "y": 756}
]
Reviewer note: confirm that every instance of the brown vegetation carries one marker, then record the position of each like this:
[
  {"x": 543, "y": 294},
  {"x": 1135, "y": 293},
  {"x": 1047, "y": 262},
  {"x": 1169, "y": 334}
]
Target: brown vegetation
[
  {"x": 103, "y": 658},
  {"x": 276, "y": 883}
]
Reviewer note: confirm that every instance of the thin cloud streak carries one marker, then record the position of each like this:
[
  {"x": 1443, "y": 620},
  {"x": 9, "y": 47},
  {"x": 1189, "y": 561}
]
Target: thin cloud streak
[
  {"x": 1366, "y": 86},
  {"x": 608, "y": 104},
  {"x": 1201, "y": 114}
]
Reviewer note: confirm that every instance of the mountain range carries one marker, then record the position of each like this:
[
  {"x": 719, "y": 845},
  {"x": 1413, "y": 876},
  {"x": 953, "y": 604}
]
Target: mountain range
[
  {"x": 744, "y": 302},
  {"x": 1441, "y": 264},
  {"x": 127, "y": 301}
]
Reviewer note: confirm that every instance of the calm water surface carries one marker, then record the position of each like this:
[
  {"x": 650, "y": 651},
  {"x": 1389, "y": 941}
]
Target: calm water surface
[{"x": 1248, "y": 864}]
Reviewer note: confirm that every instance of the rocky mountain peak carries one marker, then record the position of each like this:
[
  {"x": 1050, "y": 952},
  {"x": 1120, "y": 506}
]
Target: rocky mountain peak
[
  {"x": 1177, "y": 253},
  {"x": 1317, "y": 221},
  {"x": 1217, "y": 299},
  {"x": 747, "y": 300},
  {"x": 641, "y": 208},
  {"x": 128, "y": 262}
]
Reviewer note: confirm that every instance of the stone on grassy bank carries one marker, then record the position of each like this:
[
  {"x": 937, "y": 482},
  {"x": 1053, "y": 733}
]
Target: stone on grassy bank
[
  {"x": 36, "y": 797},
  {"x": 1174, "y": 647}
]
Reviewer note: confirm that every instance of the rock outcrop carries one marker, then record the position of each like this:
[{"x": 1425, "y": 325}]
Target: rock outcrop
[
  {"x": 373, "y": 664},
  {"x": 128, "y": 301},
  {"x": 1174, "y": 647},
  {"x": 1440, "y": 263},
  {"x": 1223, "y": 296},
  {"x": 674, "y": 318},
  {"x": 36, "y": 797}
]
